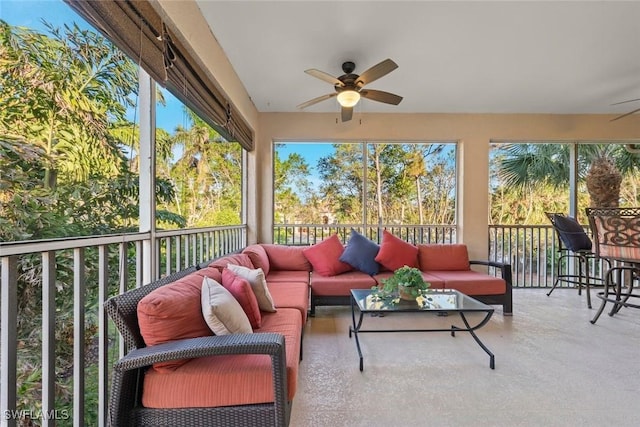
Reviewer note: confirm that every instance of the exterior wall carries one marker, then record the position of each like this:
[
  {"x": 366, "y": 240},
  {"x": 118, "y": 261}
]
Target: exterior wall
[{"x": 474, "y": 132}]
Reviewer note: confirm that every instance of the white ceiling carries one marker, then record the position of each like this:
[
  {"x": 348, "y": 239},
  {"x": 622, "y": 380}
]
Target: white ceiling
[{"x": 453, "y": 56}]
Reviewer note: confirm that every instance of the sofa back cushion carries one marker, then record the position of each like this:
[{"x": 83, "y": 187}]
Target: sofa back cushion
[
  {"x": 237, "y": 259},
  {"x": 395, "y": 252},
  {"x": 443, "y": 257},
  {"x": 173, "y": 312},
  {"x": 283, "y": 257},
  {"x": 258, "y": 256}
]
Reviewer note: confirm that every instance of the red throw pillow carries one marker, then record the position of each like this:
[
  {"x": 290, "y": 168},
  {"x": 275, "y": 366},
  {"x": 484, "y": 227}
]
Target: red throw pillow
[
  {"x": 395, "y": 252},
  {"x": 325, "y": 257},
  {"x": 241, "y": 291}
]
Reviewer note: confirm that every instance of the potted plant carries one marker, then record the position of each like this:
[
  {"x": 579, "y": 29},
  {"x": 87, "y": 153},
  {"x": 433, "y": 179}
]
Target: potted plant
[{"x": 407, "y": 282}]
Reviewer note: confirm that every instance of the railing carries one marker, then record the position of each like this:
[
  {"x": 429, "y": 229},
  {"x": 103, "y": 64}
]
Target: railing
[
  {"x": 309, "y": 234},
  {"x": 66, "y": 281},
  {"x": 532, "y": 251}
]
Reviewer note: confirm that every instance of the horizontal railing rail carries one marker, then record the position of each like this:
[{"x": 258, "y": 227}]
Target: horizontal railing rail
[
  {"x": 79, "y": 274},
  {"x": 309, "y": 234}
]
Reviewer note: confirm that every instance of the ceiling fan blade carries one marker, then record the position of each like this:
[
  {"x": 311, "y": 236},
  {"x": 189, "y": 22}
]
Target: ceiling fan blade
[
  {"x": 316, "y": 100},
  {"x": 628, "y": 100},
  {"x": 347, "y": 113},
  {"x": 626, "y": 114},
  {"x": 381, "y": 96},
  {"x": 377, "y": 71},
  {"x": 324, "y": 76}
]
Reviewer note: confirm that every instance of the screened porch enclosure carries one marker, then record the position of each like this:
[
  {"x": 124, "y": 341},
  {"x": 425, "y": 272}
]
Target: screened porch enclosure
[{"x": 75, "y": 275}]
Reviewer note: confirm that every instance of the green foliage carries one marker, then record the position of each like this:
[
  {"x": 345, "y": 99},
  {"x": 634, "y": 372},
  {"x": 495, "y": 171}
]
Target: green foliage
[
  {"x": 406, "y": 276},
  {"x": 531, "y": 179}
]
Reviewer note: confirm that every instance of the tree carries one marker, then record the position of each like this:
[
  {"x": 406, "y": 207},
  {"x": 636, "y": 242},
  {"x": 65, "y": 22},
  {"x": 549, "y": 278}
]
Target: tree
[
  {"x": 291, "y": 186},
  {"x": 207, "y": 175},
  {"x": 62, "y": 93},
  {"x": 539, "y": 173}
]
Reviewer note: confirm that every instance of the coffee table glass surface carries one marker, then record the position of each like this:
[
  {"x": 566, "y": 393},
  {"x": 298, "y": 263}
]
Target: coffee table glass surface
[{"x": 449, "y": 300}]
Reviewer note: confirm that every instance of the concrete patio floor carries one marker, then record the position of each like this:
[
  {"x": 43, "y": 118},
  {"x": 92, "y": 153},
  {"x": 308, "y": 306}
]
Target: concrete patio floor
[{"x": 553, "y": 368}]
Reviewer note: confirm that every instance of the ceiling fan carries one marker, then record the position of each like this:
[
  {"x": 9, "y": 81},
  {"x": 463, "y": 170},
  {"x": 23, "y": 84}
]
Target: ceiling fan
[
  {"x": 630, "y": 112},
  {"x": 349, "y": 87}
]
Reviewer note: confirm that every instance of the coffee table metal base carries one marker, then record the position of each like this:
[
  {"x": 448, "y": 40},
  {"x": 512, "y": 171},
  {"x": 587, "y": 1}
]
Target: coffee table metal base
[{"x": 356, "y": 329}]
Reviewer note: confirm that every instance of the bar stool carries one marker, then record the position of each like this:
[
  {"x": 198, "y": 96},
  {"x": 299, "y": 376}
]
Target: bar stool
[
  {"x": 573, "y": 244},
  {"x": 617, "y": 238}
]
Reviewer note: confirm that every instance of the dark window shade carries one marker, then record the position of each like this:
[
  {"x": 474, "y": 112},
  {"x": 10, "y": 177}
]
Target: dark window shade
[{"x": 137, "y": 29}]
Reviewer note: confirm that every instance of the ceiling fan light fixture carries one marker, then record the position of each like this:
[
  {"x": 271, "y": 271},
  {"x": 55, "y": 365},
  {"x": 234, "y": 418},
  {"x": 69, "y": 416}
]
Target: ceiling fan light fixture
[{"x": 348, "y": 98}]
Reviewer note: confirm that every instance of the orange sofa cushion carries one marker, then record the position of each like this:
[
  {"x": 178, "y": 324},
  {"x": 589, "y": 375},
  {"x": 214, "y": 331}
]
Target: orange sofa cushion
[
  {"x": 443, "y": 257},
  {"x": 472, "y": 282},
  {"x": 173, "y": 312},
  {"x": 340, "y": 285},
  {"x": 237, "y": 259},
  {"x": 288, "y": 276},
  {"x": 228, "y": 380},
  {"x": 283, "y": 257},
  {"x": 211, "y": 273},
  {"x": 291, "y": 295},
  {"x": 395, "y": 252}
]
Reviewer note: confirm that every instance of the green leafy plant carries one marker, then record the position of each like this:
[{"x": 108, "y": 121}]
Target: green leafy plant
[{"x": 406, "y": 281}]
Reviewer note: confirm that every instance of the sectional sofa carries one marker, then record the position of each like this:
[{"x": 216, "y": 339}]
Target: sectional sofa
[
  {"x": 362, "y": 264},
  {"x": 220, "y": 343}
]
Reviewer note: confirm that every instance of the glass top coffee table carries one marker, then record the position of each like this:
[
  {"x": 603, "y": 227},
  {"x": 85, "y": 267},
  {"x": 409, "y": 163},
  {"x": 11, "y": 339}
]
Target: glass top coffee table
[{"x": 439, "y": 301}]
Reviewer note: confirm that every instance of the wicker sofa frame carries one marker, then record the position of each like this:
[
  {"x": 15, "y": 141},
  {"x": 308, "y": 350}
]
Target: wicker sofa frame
[{"x": 125, "y": 408}]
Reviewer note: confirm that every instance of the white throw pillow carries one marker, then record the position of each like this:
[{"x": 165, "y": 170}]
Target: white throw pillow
[
  {"x": 258, "y": 283},
  {"x": 222, "y": 311}
]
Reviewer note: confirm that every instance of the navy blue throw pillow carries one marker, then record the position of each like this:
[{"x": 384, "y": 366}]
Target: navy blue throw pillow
[
  {"x": 360, "y": 253},
  {"x": 572, "y": 234}
]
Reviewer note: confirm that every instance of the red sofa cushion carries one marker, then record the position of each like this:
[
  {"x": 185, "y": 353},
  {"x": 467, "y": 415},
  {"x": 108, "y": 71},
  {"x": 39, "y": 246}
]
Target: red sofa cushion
[
  {"x": 395, "y": 252},
  {"x": 173, "y": 312},
  {"x": 340, "y": 285},
  {"x": 211, "y": 273},
  {"x": 325, "y": 257},
  {"x": 472, "y": 282},
  {"x": 237, "y": 259},
  {"x": 283, "y": 257},
  {"x": 443, "y": 257},
  {"x": 287, "y": 276},
  {"x": 228, "y": 380},
  {"x": 258, "y": 257},
  {"x": 291, "y": 295}
]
